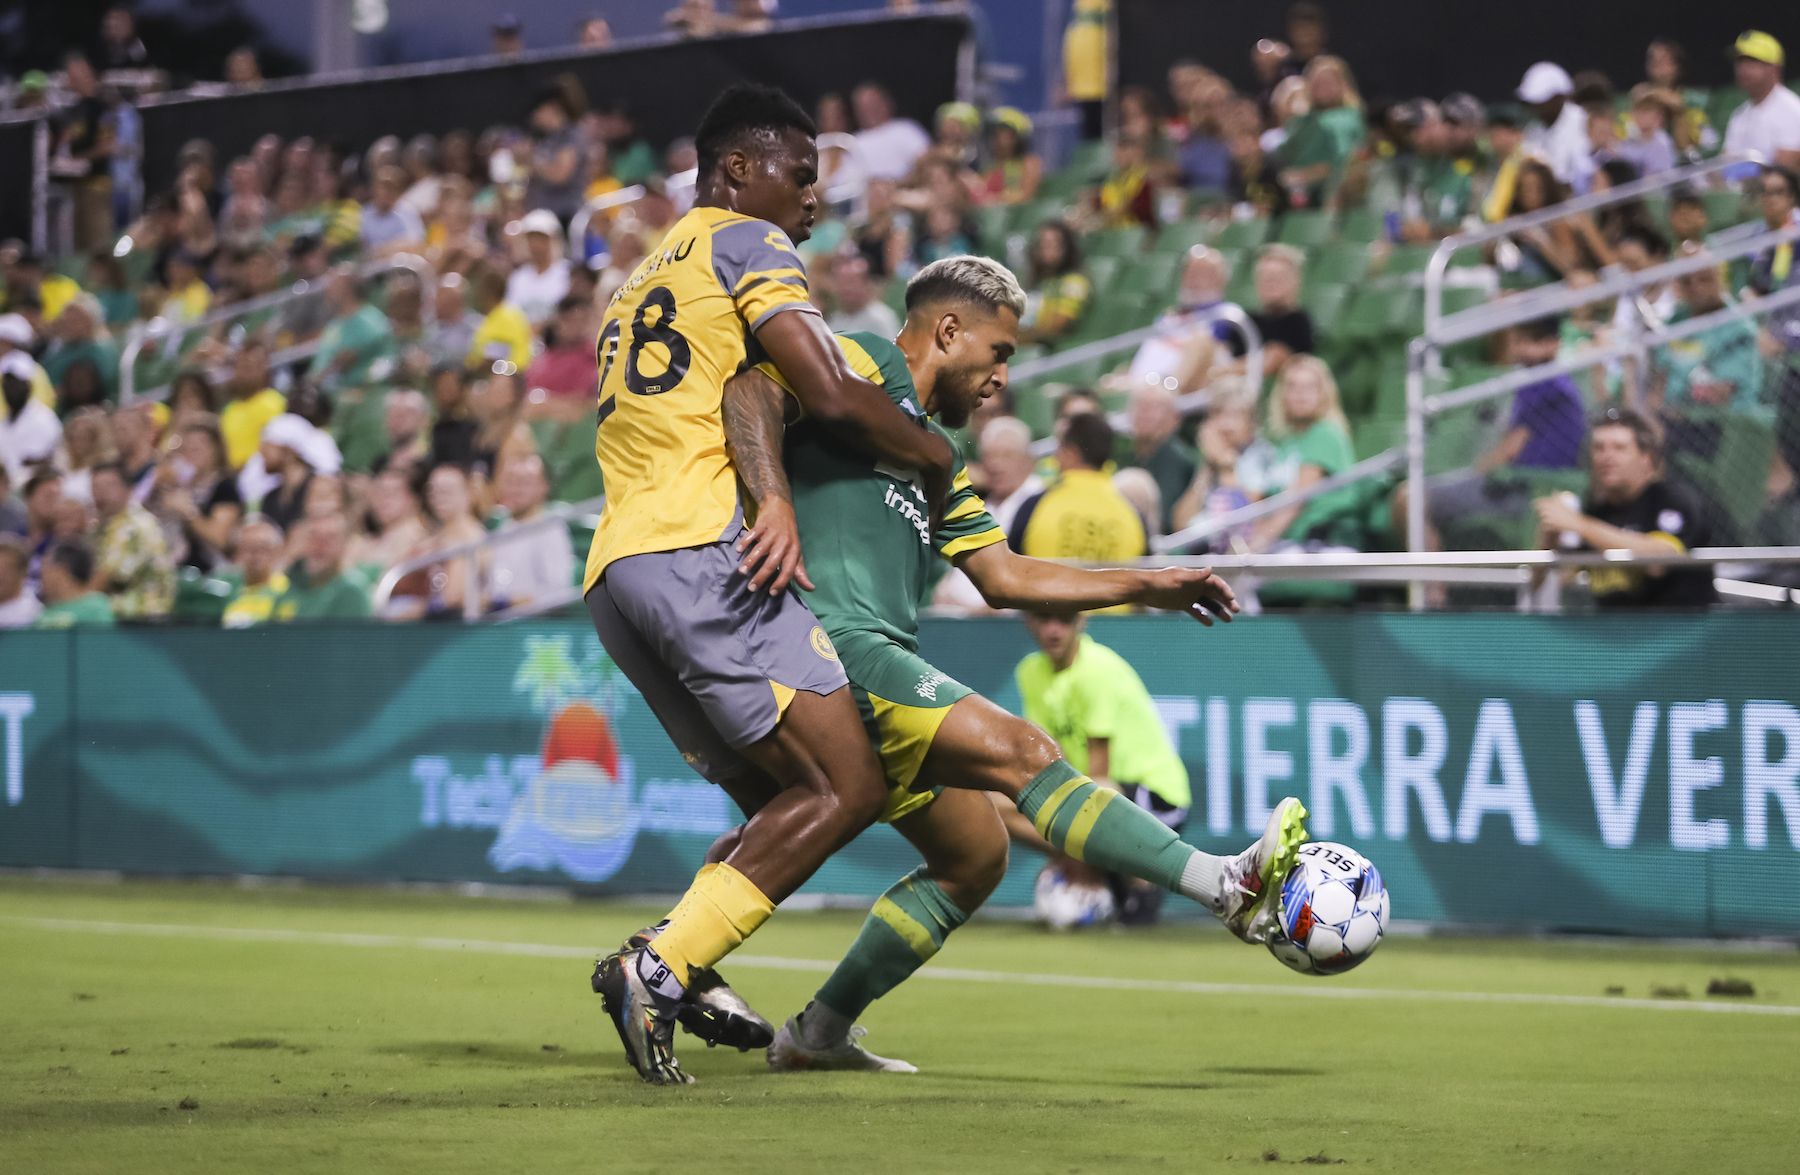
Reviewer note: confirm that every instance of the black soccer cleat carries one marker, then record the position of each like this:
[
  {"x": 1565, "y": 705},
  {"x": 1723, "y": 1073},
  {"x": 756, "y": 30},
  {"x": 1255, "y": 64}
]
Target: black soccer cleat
[
  {"x": 712, "y": 1010},
  {"x": 645, "y": 1023}
]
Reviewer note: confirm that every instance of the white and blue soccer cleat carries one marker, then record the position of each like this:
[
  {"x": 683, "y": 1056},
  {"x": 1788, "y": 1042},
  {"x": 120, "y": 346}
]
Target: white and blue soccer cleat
[{"x": 1252, "y": 881}]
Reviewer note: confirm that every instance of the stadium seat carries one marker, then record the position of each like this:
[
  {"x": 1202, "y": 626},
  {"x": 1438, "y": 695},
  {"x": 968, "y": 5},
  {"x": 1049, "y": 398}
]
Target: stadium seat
[
  {"x": 1101, "y": 271},
  {"x": 1089, "y": 159},
  {"x": 1325, "y": 303},
  {"x": 199, "y": 598},
  {"x": 1242, "y": 234},
  {"x": 1374, "y": 313},
  {"x": 1305, "y": 228},
  {"x": 1181, "y": 236},
  {"x": 1361, "y": 226},
  {"x": 1113, "y": 315},
  {"x": 990, "y": 227},
  {"x": 1724, "y": 209},
  {"x": 1152, "y": 274},
  {"x": 1114, "y": 242},
  {"x": 1063, "y": 184},
  {"x": 1335, "y": 264},
  {"x": 1200, "y": 200},
  {"x": 1404, "y": 259}
]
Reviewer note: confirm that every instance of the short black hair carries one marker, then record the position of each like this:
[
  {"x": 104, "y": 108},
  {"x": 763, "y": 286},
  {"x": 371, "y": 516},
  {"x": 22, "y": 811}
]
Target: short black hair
[
  {"x": 1787, "y": 175},
  {"x": 116, "y": 468},
  {"x": 1654, "y": 243},
  {"x": 1091, "y": 438},
  {"x": 1685, "y": 196},
  {"x": 742, "y": 110},
  {"x": 1643, "y": 430},
  {"x": 75, "y": 557},
  {"x": 13, "y": 547},
  {"x": 1539, "y": 329}
]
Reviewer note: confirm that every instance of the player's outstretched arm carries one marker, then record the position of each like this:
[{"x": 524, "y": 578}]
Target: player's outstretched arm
[
  {"x": 1007, "y": 579},
  {"x": 831, "y": 393},
  {"x": 755, "y": 415}
]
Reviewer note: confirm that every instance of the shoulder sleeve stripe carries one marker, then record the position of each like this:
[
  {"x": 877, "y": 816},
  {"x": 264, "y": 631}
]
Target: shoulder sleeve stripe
[
  {"x": 751, "y": 280},
  {"x": 962, "y": 481},
  {"x": 972, "y": 542},
  {"x": 861, "y": 362},
  {"x": 965, "y": 508}
]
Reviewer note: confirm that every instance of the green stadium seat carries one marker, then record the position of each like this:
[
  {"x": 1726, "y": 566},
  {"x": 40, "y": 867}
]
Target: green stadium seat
[
  {"x": 359, "y": 425},
  {"x": 1114, "y": 242},
  {"x": 1361, "y": 226},
  {"x": 1242, "y": 286},
  {"x": 1724, "y": 209},
  {"x": 1205, "y": 200},
  {"x": 894, "y": 294},
  {"x": 990, "y": 226},
  {"x": 1336, "y": 264},
  {"x": 567, "y": 451},
  {"x": 1375, "y": 435},
  {"x": 1090, "y": 159},
  {"x": 1305, "y": 228},
  {"x": 1325, "y": 303},
  {"x": 1181, "y": 236},
  {"x": 1242, "y": 234},
  {"x": 1112, "y": 315},
  {"x": 1062, "y": 184},
  {"x": 1374, "y": 313},
  {"x": 1721, "y": 103},
  {"x": 1026, "y": 217},
  {"x": 1408, "y": 259},
  {"x": 199, "y": 598},
  {"x": 1100, "y": 274},
  {"x": 1155, "y": 274}
]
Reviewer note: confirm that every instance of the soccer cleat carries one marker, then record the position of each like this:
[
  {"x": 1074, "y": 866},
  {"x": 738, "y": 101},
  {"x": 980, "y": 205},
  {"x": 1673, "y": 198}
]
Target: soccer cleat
[
  {"x": 645, "y": 1021},
  {"x": 788, "y": 1055},
  {"x": 1255, "y": 874},
  {"x": 712, "y": 1010}
]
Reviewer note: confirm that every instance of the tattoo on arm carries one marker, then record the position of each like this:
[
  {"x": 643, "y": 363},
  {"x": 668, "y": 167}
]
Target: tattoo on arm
[{"x": 754, "y": 407}]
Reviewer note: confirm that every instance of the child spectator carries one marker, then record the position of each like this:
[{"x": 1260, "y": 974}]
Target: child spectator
[{"x": 1059, "y": 290}]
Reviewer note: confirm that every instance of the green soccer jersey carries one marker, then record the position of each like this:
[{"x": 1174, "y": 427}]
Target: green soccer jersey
[
  {"x": 1101, "y": 696},
  {"x": 864, "y": 526}
]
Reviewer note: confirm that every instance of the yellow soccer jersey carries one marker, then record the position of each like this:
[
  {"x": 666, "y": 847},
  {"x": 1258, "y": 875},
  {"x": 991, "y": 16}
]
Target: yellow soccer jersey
[{"x": 674, "y": 333}]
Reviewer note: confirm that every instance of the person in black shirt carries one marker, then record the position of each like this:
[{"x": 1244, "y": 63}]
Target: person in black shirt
[
  {"x": 84, "y": 147},
  {"x": 1629, "y": 507},
  {"x": 1286, "y": 329}
]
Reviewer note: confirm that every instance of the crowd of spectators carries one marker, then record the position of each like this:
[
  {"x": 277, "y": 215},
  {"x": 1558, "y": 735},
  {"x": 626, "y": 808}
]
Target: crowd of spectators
[{"x": 440, "y": 368}]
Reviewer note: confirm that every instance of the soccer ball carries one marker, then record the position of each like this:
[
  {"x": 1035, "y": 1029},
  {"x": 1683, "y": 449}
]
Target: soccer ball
[
  {"x": 1065, "y": 905},
  {"x": 1333, "y": 911}
]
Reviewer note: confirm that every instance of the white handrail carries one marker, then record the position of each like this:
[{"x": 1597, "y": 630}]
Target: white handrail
[
  {"x": 578, "y": 224},
  {"x": 163, "y": 328},
  {"x": 558, "y": 515},
  {"x": 1366, "y": 468},
  {"x": 1440, "y": 257},
  {"x": 1229, "y": 312}
]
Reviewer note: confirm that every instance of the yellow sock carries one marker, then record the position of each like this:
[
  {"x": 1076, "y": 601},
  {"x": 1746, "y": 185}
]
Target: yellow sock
[{"x": 718, "y": 912}]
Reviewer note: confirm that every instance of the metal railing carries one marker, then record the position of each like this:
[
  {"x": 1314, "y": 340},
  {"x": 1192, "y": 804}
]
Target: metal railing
[
  {"x": 1478, "y": 321},
  {"x": 558, "y": 515},
  {"x": 171, "y": 332},
  {"x": 1229, "y": 312},
  {"x": 578, "y": 224},
  {"x": 1662, "y": 181},
  {"x": 1219, "y": 523}
]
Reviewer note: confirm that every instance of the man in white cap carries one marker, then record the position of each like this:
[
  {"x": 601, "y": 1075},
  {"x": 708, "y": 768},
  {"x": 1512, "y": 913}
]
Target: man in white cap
[
  {"x": 1560, "y": 136},
  {"x": 1769, "y": 123},
  {"x": 16, "y": 337},
  {"x": 30, "y": 431},
  {"x": 543, "y": 280}
]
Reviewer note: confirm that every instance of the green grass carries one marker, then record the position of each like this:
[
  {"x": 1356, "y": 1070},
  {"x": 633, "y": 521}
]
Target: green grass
[{"x": 331, "y": 1057}]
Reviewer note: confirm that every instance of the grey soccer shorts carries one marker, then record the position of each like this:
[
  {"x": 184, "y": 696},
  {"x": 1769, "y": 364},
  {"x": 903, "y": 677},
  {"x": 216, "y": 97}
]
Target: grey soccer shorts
[{"x": 717, "y": 663}]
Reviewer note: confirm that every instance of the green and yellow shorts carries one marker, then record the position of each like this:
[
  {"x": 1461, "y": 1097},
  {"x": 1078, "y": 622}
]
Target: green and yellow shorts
[{"x": 903, "y": 701}]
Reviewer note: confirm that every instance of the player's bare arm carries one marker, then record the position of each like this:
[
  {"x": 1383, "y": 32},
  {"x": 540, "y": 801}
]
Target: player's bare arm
[
  {"x": 1007, "y": 579},
  {"x": 858, "y": 410},
  {"x": 755, "y": 411}
]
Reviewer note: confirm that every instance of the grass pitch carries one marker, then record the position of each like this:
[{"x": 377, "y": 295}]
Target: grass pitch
[{"x": 359, "y": 1030}]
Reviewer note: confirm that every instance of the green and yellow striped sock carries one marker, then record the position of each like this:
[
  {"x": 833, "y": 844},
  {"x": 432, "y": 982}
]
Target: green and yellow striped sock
[
  {"x": 1101, "y": 827},
  {"x": 907, "y": 926}
]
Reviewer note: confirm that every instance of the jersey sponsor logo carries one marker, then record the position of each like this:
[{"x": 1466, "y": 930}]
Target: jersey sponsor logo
[
  {"x": 779, "y": 240},
  {"x": 910, "y": 510},
  {"x": 928, "y": 685},
  {"x": 822, "y": 644}
]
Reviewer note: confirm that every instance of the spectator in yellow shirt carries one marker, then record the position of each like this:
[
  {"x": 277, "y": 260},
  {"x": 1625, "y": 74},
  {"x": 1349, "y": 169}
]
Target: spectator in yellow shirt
[
  {"x": 1084, "y": 62},
  {"x": 1083, "y": 516},
  {"x": 505, "y": 332},
  {"x": 253, "y": 403}
]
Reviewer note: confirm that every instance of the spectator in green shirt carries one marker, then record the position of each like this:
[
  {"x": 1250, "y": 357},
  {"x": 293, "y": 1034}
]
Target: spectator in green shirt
[
  {"x": 67, "y": 601},
  {"x": 1312, "y": 442},
  {"x": 1092, "y": 702},
  {"x": 1320, "y": 140},
  {"x": 1721, "y": 367},
  {"x": 358, "y": 342},
  {"x": 77, "y": 339},
  {"x": 320, "y": 586}
]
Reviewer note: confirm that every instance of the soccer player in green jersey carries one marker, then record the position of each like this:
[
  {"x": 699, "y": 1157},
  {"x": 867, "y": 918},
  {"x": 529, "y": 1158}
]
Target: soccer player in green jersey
[{"x": 867, "y": 542}]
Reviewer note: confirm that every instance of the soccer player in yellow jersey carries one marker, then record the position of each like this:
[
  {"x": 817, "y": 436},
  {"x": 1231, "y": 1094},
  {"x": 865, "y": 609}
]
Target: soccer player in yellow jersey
[{"x": 745, "y": 682}]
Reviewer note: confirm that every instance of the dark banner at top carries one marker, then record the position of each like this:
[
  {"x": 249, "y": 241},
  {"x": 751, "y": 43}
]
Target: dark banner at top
[
  {"x": 1414, "y": 48},
  {"x": 666, "y": 86}
]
